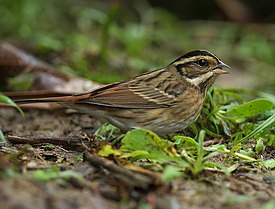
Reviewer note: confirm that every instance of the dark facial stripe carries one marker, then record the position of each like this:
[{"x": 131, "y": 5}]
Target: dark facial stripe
[
  {"x": 180, "y": 68},
  {"x": 204, "y": 85}
]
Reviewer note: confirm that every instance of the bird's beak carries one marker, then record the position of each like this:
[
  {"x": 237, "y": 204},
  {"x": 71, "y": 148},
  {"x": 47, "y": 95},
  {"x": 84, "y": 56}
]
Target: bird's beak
[{"x": 219, "y": 69}]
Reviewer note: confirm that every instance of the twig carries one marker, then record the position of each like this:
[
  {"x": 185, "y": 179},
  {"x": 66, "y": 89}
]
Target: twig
[
  {"x": 71, "y": 142},
  {"x": 212, "y": 142},
  {"x": 128, "y": 177}
]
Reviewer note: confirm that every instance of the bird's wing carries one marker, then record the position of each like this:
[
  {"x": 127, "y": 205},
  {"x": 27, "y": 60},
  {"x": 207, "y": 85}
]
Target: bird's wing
[{"x": 135, "y": 93}]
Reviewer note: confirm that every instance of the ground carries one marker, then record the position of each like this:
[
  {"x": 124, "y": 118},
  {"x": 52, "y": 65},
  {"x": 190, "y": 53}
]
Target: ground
[{"x": 103, "y": 187}]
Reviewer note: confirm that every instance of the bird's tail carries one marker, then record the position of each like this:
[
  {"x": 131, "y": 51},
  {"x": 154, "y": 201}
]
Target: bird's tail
[{"x": 41, "y": 100}]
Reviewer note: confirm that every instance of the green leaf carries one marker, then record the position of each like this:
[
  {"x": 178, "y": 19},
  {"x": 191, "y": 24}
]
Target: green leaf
[
  {"x": 171, "y": 172},
  {"x": 259, "y": 146},
  {"x": 22, "y": 82},
  {"x": 271, "y": 140},
  {"x": 6, "y": 100},
  {"x": 151, "y": 145},
  {"x": 108, "y": 150},
  {"x": 236, "y": 148},
  {"x": 107, "y": 131},
  {"x": 45, "y": 175},
  {"x": 54, "y": 173},
  {"x": 199, "y": 164},
  {"x": 137, "y": 153},
  {"x": 270, "y": 164},
  {"x": 219, "y": 166},
  {"x": 185, "y": 142},
  {"x": 3, "y": 138},
  {"x": 216, "y": 147},
  {"x": 251, "y": 108},
  {"x": 268, "y": 96}
]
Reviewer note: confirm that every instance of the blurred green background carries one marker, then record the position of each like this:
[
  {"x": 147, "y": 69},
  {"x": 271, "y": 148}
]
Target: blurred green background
[{"x": 108, "y": 41}]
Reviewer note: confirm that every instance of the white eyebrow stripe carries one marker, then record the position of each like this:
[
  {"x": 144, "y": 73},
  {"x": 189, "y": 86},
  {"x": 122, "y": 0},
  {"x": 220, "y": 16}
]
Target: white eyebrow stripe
[{"x": 198, "y": 80}]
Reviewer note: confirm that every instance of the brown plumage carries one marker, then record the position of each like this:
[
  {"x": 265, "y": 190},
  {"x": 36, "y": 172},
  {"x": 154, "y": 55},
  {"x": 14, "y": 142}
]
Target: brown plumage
[{"x": 164, "y": 101}]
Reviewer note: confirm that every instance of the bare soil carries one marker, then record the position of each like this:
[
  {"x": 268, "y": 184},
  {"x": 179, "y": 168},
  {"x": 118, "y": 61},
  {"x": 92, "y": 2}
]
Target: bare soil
[{"x": 101, "y": 188}]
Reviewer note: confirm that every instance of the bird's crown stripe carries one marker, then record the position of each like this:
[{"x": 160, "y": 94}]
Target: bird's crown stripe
[{"x": 192, "y": 59}]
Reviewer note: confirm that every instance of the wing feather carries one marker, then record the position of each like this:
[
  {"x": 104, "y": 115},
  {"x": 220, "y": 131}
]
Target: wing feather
[{"x": 135, "y": 93}]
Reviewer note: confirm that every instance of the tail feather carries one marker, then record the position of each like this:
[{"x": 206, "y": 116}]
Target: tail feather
[{"x": 41, "y": 100}]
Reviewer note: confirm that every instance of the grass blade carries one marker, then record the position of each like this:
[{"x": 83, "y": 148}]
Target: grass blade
[
  {"x": 6, "y": 100},
  {"x": 257, "y": 130}
]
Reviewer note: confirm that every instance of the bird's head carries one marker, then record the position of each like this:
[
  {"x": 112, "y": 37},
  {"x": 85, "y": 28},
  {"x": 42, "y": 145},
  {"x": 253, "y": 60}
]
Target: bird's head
[{"x": 200, "y": 68}]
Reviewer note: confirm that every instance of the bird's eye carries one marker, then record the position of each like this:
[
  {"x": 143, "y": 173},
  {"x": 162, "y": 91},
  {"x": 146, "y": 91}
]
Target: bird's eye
[{"x": 202, "y": 62}]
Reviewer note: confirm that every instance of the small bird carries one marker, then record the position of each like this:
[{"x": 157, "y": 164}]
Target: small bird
[{"x": 164, "y": 101}]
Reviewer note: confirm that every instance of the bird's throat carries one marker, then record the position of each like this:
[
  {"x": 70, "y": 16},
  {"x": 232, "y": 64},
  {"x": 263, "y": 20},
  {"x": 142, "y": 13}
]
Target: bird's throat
[
  {"x": 203, "y": 82},
  {"x": 200, "y": 79}
]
